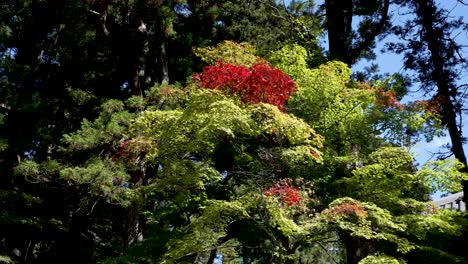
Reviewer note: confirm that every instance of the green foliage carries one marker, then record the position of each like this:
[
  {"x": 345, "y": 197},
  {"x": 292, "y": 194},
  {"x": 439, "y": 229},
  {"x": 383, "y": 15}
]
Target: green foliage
[
  {"x": 5, "y": 259},
  {"x": 350, "y": 113},
  {"x": 43, "y": 172},
  {"x": 242, "y": 54},
  {"x": 210, "y": 117},
  {"x": 443, "y": 175},
  {"x": 111, "y": 124},
  {"x": 435, "y": 228},
  {"x": 385, "y": 178},
  {"x": 102, "y": 176},
  {"x": 367, "y": 221},
  {"x": 433, "y": 256},
  {"x": 188, "y": 150},
  {"x": 380, "y": 259},
  {"x": 324, "y": 100},
  {"x": 174, "y": 174},
  {"x": 205, "y": 231}
]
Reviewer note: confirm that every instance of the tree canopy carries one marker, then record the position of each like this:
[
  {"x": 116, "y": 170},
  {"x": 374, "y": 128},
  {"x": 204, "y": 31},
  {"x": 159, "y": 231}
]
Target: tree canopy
[{"x": 219, "y": 132}]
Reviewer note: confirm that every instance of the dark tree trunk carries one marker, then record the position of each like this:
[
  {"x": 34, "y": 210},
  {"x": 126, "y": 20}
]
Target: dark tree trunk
[
  {"x": 348, "y": 45},
  {"x": 134, "y": 225},
  {"x": 339, "y": 16},
  {"x": 212, "y": 257},
  {"x": 164, "y": 64},
  {"x": 357, "y": 248}
]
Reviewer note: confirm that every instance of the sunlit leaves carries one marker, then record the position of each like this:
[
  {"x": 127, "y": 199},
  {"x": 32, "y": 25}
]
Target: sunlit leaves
[
  {"x": 386, "y": 178},
  {"x": 440, "y": 225},
  {"x": 229, "y": 52},
  {"x": 206, "y": 231},
  {"x": 365, "y": 220},
  {"x": 324, "y": 98},
  {"x": 443, "y": 175},
  {"x": 233, "y": 161},
  {"x": 282, "y": 127},
  {"x": 350, "y": 112},
  {"x": 381, "y": 259}
]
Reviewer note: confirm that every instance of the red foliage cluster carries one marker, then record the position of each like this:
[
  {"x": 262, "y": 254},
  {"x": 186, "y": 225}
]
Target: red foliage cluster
[
  {"x": 433, "y": 106},
  {"x": 349, "y": 209},
  {"x": 285, "y": 192},
  {"x": 259, "y": 83},
  {"x": 387, "y": 99}
]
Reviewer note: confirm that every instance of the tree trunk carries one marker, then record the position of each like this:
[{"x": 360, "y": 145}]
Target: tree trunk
[
  {"x": 357, "y": 248},
  {"x": 164, "y": 64},
  {"x": 134, "y": 224},
  {"x": 343, "y": 43},
  {"x": 212, "y": 257},
  {"x": 339, "y": 25}
]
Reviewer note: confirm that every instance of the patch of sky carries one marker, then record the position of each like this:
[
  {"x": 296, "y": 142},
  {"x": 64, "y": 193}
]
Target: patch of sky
[
  {"x": 183, "y": 9},
  {"x": 9, "y": 53},
  {"x": 124, "y": 86}
]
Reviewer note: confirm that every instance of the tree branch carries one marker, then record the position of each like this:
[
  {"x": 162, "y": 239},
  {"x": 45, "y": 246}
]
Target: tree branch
[{"x": 370, "y": 37}]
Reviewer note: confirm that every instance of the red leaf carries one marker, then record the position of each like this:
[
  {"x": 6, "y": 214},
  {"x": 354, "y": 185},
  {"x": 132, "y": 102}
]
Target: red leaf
[{"x": 259, "y": 83}]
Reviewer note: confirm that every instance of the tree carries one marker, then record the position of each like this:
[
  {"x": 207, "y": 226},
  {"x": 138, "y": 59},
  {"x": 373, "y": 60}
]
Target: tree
[
  {"x": 432, "y": 52},
  {"x": 252, "y": 145},
  {"x": 352, "y": 117}
]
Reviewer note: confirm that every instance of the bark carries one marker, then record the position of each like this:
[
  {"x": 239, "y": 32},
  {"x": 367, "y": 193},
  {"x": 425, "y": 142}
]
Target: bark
[
  {"x": 164, "y": 64},
  {"x": 212, "y": 256},
  {"x": 357, "y": 248},
  {"x": 339, "y": 24},
  {"x": 135, "y": 82},
  {"x": 339, "y": 14},
  {"x": 441, "y": 74},
  {"x": 134, "y": 225}
]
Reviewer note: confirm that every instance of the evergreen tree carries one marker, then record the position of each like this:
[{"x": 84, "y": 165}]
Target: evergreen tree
[
  {"x": 433, "y": 53},
  {"x": 347, "y": 44}
]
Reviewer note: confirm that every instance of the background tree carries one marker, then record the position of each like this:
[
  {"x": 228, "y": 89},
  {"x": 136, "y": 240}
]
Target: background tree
[
  {"x": 347, "y": 44},
  {"x": 433, "y": 53}
]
